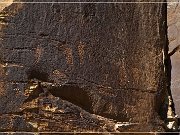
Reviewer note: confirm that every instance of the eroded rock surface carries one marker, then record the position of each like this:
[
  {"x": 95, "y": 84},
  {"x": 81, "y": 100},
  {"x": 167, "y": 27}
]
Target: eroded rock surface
[
  {"x": 173, "y": 21},
  {"x": 83, "y": 67}
]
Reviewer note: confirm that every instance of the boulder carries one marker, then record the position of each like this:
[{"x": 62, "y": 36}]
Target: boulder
[{"x": 92, "y": 67}]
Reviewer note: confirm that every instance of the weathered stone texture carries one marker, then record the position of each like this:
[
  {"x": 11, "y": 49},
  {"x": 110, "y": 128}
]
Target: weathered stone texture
[
  {"x": 173, "y": 21},
  {"x": 100, "y": 59}
]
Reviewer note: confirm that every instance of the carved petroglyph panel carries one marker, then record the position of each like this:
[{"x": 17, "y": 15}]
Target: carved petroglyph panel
[{"x": 82, "y": 67}]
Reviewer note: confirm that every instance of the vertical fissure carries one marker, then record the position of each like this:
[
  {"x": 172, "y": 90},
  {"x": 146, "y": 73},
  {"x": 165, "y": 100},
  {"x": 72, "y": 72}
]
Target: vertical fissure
[{"x": 171, "y": 119}]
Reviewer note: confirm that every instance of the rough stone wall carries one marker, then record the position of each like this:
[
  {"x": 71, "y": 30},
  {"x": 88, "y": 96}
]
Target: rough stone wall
[
  {"x": 174, "y": 41},
  {"x": 82, "y": 67}
]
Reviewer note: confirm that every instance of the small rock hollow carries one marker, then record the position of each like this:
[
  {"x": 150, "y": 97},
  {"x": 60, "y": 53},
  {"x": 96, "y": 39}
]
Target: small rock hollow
[{"x": 73, "y": 94}]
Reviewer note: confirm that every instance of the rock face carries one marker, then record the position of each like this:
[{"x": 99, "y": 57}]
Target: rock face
[
  {"x": 83, "y": 67},
  {"x": 174, "y": 41}
]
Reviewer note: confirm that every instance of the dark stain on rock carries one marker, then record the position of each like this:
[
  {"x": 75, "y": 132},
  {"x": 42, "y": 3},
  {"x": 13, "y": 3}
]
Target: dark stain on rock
[{"x": 39, "y": 75}]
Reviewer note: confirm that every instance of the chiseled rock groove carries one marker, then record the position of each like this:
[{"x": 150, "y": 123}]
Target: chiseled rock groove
[{"x": 83, "y": 67}]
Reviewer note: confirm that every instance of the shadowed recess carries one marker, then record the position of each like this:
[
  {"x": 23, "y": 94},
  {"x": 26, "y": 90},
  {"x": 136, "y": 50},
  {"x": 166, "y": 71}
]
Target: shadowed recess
[{"x": 73, "y": 94}]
